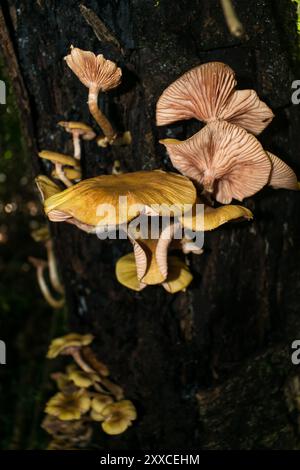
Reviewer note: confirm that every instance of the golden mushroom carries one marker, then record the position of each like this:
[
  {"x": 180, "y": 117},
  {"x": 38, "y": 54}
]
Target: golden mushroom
[
  {"x": 68, "y": 407},
  {"x": 118, "y": 417},
  {"x": 59, "y": 160},
  {"x": 71, "y": 344},
  {"x": 79, "y": 130}
]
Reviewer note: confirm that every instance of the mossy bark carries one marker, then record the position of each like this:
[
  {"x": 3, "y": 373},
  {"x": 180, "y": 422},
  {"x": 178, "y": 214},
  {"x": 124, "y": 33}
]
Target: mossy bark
[{"x": 207, "y": 368}]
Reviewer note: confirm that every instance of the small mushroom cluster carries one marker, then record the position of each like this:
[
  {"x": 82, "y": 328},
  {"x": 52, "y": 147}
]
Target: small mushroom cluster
[
  {"x": 224, "y": 157},
  {"x": 42, "y": 235},
  {"x": 85, "y": 393}
]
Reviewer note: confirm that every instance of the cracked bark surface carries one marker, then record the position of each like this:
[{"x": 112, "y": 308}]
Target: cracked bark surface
[{"x": 207, "y": 368}]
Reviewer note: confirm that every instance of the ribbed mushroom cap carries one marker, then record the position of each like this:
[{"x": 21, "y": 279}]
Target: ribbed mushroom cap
[
  {"x": 214, "y": 217},
  {"x": 94, "y": 70},
  {"x": 56, "y": 157},
  {"x": 224, "y": 158},
  {"x": 142, "y": 189},
  {"x": 207, "y": 93},
  {"x": 46, "y": 186},
  {"x": 282, "y": 176},
  {"x": 82, "y": 129}
]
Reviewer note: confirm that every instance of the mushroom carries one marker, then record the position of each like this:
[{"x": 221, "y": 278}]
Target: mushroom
[
  {"x": 98, "y": 75},
  {"x": 78, "y": 130},
  {"x": 81, "y": 378},
  {"x": 98, "y": 403},
  {"x": 282, "y": 176},
  {"x": 121, "y": 198},
  {"x": 46, "y": 187},
  {"x": 71, "y": 344},
  {"x": 207, "y": 93},
  {"x": 40, "y": 266},
  {"x": 149, "y": 264},
  {"x": 118, "y": 417},
  {"x": 59, "y": 160},
  {"x": 73, "y": 174},
  {"x": 70, "y": 406},
  {"x": 225, "y": 159}
]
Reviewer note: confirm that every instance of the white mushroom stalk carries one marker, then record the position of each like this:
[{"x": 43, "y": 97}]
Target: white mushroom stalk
[
  {"x": 77, "y": 146},
  {"x": 40, "y": 266},
  {"x": 61, "y": 175}
]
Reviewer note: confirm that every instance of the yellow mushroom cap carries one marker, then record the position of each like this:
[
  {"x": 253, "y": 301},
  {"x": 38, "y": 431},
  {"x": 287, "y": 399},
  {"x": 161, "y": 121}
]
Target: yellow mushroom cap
[
  {"x": 100, "y": 401},
  {"x": 58, "y": 345},
  {"x": 179, "y": 275},
  {"x": 41, "y": 234},
  {"x": 214, "y": 217},
  {"x": 118, "y": 417},
  {"x": 70, "y": 406},
  {"x": 85, "y": 131},
  {"x": 71, "y": 173},
  {"x": 56, "y": 157},
  {"x": 126, "y": 272},
  {"x": 141, "y": 188},
  {"x": 81, "y": 378},
  {"x": 46, "y": 186}
]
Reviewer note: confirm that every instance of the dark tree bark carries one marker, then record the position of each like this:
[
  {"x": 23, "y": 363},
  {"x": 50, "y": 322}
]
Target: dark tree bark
[{"x": 208, "y": 368}]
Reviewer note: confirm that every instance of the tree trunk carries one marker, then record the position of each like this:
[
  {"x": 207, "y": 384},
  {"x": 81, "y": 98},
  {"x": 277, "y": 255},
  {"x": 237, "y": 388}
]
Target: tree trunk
[{"x": 210, "y": 367}]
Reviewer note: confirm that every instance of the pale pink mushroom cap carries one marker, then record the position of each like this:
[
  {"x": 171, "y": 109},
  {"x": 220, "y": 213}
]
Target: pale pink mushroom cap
[
  {"x": 94, "y": 71},
  {"x": 282, "y": 176},
  {"x": 228, "y": 161},
  {"x": 207, "y": 93}
]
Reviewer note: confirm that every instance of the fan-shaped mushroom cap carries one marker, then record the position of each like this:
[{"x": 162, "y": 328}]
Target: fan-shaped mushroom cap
[
  {"x": 207, "y": 93},
  {"x": 282, "y": 176},
  {"x": 56, "y": 157},
  {"x": 80, "y": 128},
  {"x": 214, "y": 217},
  {"x": 118, "y": 417},
  {"x": 70, "y": 406},
  {"x": 143, "y": 188},
  {"x": 94, "y": 71},
  {"x": 224, "y": 158},
  {"x": 72, "y": 340},
  {"x": 46, "y": 186}
]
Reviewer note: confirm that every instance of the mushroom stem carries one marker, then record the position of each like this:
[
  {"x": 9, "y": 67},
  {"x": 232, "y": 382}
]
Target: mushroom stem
[
  {"x": 77, "y": 146},
  {"x": 53, "y": 272},
  {"x": 99, "y": 117},
  {"x": 113, "y": 388},
  {"x": 61, "y": 175},
  {"x": 234, "y": 25},
  {"x": 55, "y": 303},
  {"x": 80, "y": 361}
]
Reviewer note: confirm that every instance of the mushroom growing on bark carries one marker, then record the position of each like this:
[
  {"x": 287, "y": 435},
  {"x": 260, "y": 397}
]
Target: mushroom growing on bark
[
  {"x": 79, "y": 130},
  {"x": 225, "y": 159},
  {"x": 98, "y": 75},
  {"x": 118, "y": 417},
  {"x": 71, "y": 345},
  {"x": 59, "y": 160},
  {"x": 282, "y": 176},
  {"x": 121, "y": 197},
  {"x": 207, "y": 93},
  {"x": 69, "y": 406}
]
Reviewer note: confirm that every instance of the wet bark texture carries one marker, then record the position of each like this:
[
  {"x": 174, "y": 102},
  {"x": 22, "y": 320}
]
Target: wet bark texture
[{"x": 208, "y": 368}]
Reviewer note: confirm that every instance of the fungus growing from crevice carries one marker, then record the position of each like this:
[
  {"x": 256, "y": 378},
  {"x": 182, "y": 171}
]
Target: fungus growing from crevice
[
  {"x": 98, "y": 75},
  {"x": 79, "y": 130},
  {"x": 207, "y": 93}
]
